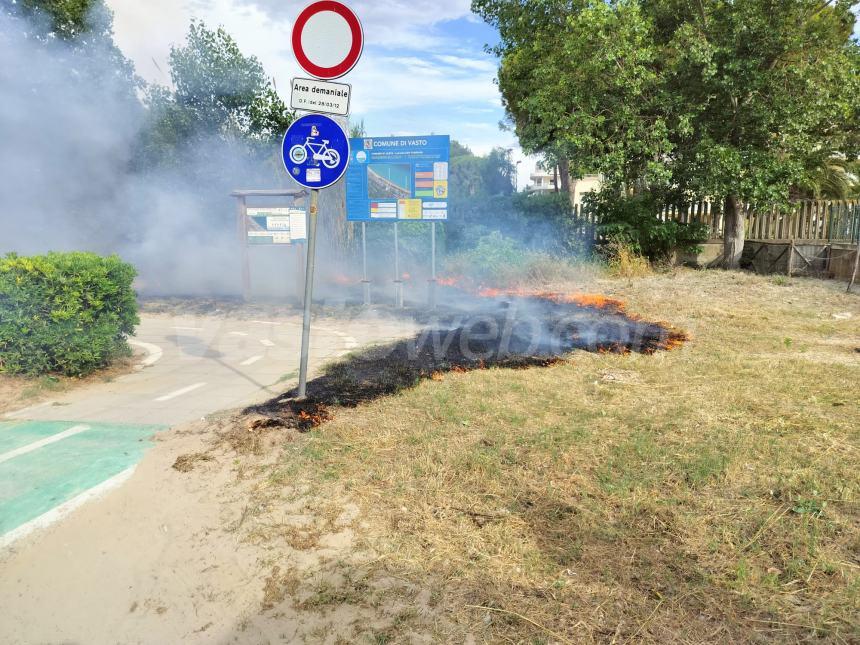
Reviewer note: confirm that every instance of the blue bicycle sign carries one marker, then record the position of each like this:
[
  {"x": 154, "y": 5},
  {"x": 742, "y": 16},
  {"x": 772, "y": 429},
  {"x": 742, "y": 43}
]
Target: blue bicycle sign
[
  {"x": 315, "y": 151},
  {"x": 318, "y": 151}
]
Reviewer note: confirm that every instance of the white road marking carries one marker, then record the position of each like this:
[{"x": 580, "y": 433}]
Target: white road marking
[
  {"x": 238, "y": 333},
  {"x": 185, "y": 390},
  {"x": 265, "y": 322},
  {"x": 154, "y": 351},
  {"x": 24, "y": 411},
  {"x": 251, "y": 361},
  {"x": 61, "y": 511},
  {"x": 30, "y": 447},
  {"x": 188, "y": 328},
  {"x": 267, "y": 343}
]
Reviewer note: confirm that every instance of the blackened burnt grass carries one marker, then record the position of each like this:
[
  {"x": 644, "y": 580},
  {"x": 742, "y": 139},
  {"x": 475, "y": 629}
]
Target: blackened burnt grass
[{"x": 473, "y": 332}]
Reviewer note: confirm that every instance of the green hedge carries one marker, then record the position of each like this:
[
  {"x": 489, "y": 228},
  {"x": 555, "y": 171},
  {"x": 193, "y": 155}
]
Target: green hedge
[{"x": 66, "y": 313}]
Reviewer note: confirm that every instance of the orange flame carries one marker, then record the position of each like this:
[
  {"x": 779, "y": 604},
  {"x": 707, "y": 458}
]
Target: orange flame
[
  {"x": 582, "y": 299},
  {"x": 342, "y": 279},
  {"x": 593, "y": 300}
]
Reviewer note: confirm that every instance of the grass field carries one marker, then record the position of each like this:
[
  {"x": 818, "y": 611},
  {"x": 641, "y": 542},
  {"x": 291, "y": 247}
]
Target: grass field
[{"x": 707, "y": 494}]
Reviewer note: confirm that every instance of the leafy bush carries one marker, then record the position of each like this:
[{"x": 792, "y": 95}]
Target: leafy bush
[
  {"x": 633, "y": 221},
  {"x": 499, "y": 261},
  {"x": 65, "y": 313}
]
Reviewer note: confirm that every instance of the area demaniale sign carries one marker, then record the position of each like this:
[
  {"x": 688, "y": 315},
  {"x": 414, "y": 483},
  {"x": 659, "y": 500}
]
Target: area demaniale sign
[{"x": 398, "y": 178}]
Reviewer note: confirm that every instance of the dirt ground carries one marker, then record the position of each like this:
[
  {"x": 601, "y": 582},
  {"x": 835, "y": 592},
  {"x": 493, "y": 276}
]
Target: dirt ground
[
  {"x": 17, "y": 392},
  {"x": 707, "y": 494}
]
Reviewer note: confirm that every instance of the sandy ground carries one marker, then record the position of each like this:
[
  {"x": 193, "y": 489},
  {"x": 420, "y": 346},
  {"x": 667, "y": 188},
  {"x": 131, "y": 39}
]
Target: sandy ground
[{"x": 160, "y": 560}]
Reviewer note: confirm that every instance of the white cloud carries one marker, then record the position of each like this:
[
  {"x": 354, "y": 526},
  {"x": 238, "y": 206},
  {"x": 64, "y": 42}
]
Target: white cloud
[
  {"x": 392, "y": 23},
  {"x": 145, "y": 31},
  {"x": 480, "y": 65},
  {"x": 384, "y": 83}
]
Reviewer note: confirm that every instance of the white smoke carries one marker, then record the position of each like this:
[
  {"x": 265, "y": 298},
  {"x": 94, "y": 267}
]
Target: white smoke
[{"x": 69, "y": 122}]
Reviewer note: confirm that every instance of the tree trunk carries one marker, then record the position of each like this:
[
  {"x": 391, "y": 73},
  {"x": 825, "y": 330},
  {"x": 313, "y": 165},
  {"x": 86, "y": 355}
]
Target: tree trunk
[
  {"x": 733, "y": 232},
  {"x": 567, "y": 186},
  {"x": 564, "y": 175},
  {"x": 555, "y": 178}
]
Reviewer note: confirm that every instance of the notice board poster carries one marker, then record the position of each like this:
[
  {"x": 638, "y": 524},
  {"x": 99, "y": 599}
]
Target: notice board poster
[
  {"x": 398, "y": 178},
  {"x": 276, "y": 225}
]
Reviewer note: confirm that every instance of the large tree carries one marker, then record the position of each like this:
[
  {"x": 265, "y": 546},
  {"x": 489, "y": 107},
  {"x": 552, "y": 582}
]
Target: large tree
[
  {"x": 737, "y": 100},
  {"x": 218, "y": 92}
]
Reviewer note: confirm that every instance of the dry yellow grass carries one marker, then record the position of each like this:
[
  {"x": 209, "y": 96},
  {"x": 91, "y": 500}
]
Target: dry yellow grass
[
  {"x": 623, "y": 262},
  {"x": 709, "y": 494}
]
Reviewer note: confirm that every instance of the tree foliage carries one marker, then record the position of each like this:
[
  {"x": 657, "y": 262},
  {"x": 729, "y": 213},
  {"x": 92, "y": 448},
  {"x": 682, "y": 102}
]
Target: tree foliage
[
  {"x": 68, "y": 20},
  {"x": 476, "y": 176},
  {"x": 218, "y": 92},
  {"x": 83, "y": 27},
  {"x": 740, "y": 99}
]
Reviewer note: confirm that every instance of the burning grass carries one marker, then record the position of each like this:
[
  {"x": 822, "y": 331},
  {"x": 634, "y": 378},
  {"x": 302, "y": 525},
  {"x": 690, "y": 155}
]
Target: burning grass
[
  {"x": 511, "y": 329},
  {"x": 702, "y": 495}
]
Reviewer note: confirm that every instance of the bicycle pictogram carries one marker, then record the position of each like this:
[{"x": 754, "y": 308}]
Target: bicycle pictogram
[{"x": 329, "y": 157}]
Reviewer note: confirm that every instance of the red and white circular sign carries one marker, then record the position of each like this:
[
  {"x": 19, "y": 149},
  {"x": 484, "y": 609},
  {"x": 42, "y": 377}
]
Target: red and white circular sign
[{"x": 327, "y": 39}]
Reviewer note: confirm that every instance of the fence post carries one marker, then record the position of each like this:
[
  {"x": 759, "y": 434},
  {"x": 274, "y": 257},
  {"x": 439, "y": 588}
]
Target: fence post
[{"x": 790, "y": 256}]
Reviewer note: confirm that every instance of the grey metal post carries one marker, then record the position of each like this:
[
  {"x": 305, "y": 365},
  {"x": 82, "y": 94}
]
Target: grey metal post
[
  {"x": 365, "y": 281},
  {"x": 398, "y": 283},
  {"x": 432, "y": 265},
  {"x": 309, "y": 288}
]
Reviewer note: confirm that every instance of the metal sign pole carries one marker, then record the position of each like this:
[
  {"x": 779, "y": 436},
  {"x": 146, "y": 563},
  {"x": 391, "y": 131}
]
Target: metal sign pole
[
  {"x": 432, "y": 265},
  {"x": 309, "y": 287},
  {"x": 398, "y": 283},
  {"x": 365, "y": 281}
]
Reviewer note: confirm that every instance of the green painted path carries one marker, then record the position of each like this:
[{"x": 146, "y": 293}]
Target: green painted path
[{"x": 44, "y": 464}]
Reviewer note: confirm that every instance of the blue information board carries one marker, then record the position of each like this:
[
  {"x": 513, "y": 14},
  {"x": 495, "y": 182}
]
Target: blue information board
[
  {"x": 315, "y": 151},
  {"x": 398, "y": 178}
]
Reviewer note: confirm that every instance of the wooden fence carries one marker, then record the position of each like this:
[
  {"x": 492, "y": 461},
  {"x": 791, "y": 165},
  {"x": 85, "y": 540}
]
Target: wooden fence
[{"x": 802, "y": 220}]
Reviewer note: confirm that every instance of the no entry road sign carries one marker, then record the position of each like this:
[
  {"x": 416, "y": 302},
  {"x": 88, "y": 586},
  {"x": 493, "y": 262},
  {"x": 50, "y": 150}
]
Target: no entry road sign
[
  {"x": 315, "y": 151},
  {"x": 327, "y": 39}
]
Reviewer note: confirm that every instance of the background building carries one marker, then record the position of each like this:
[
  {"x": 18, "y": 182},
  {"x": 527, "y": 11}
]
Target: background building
[{"x": 542, "y": 181}]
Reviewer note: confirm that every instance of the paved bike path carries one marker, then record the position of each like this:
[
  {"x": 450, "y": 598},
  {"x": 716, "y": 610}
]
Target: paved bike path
[{"x": 44, "y": 465}]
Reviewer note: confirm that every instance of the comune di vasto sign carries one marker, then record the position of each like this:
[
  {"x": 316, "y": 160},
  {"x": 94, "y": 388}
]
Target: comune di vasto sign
[{"x": 398, "y": 178}]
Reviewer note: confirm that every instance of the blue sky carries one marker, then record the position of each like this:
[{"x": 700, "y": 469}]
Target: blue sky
[{"x": 424, "y": 69}]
